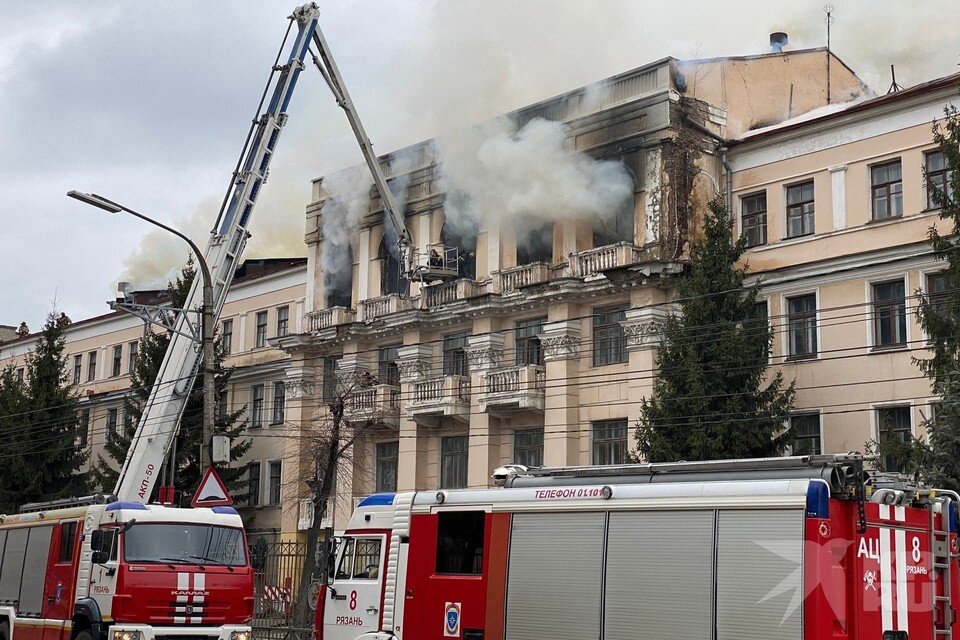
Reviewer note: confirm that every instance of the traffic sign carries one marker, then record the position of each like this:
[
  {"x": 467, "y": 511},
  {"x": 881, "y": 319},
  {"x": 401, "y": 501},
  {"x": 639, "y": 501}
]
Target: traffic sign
[{"x": 211, "y": 492}]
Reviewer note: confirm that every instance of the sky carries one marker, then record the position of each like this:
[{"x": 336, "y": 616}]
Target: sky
[{"x": 149, "y": 103}]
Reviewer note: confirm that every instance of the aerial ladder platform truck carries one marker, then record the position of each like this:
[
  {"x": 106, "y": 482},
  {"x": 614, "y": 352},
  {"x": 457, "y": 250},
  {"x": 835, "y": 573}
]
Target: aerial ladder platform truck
[{"x": 118, "y": 567}]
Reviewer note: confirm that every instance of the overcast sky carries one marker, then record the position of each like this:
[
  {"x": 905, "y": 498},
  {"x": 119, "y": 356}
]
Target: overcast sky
[{"x": 148, "y": 103}]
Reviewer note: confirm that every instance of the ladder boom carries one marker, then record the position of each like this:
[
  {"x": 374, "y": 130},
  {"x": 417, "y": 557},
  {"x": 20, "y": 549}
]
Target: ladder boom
[{"x": 161, "y": 416}]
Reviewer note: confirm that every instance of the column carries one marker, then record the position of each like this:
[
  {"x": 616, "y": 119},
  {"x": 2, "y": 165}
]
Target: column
[
  {"x": 413, "y": 361},
  {"x": 302, "y": 389},
  {"x": 484, "y": 353},
  {"x": 363, "y": 272},
  {"x": 561, "y": 416},
  {"x": 653, "y": 192},
  {"x": 643, "y": 328}
]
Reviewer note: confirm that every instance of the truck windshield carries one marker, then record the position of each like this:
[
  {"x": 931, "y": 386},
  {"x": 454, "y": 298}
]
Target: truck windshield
[{"x": 187, "y": 543}]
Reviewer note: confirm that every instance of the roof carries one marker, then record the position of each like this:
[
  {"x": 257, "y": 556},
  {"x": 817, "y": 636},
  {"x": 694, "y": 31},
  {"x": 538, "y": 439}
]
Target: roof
[{"x": 833, "y": 111}]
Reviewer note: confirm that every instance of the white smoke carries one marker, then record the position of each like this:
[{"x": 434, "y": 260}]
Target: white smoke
[
  {"x": 527, "y": 177},
  {"x": 340, "y": 218}
]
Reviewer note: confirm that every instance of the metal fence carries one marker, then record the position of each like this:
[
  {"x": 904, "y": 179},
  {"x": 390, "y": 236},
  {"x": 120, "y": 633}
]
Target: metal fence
[{"x": 276, "y": 571}]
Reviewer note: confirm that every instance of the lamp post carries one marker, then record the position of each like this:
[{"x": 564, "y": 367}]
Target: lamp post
[{"x": 206, "y": 330}]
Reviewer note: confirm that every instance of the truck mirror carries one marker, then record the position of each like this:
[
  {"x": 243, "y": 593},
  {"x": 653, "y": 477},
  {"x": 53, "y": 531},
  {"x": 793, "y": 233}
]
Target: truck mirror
[
  {"x": 100, "y": 557},
  {"x": 96, "y": 540}
]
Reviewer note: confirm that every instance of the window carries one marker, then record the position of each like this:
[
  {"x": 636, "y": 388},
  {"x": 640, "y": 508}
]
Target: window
[
  {"x": 802, "y": 323},
  {"x": 753, "y": 211},
  {"x": 283, "y": 321},
  {"x": 112, "y": 422},
  {"x": 387, "y": 456},
  {"x": 223, "y": 404},
  {"x": 806, "y": 432},
  {"x": 886, "y": 183},
  {"x": 391, "y": 277},
  {"x": 460, "y": 542},
  {"x": 91, "y": 366},
  {"x": 256, "y": 406},
  {"x": 535, "y": 245},
  {"x": 461, "y": 234},
  {"x": 939, "y": 179},
  {"x": 761, "y": 319},
  {"x": 610, "y": 441},
  {"x": 387, "y": 370},
  {"x": 800, "y": 210},
  {"x": 611, "y": 229},
  {"x": 275, "y": 482},
  {"x": 889, "y": 314},
  {"x": 455, "y": 355},
  {"x": 84, "y": 435},
  {"x": 261, "y": 330},
  {"x": 893, "y": 422},
  {"x": 527, "y": 335},
  {"x": 77, "y": 368},
  {"x": 117, "y": 364},
  {"x": 226, "y": 337},
  {"x": 329, "y": 390},
  {"x": 609, "y": 343},
  {"x": 453, "y": 462},
  {"x": 360, "y": 559},
  {"x": 20, "y": 373},
  {"x": 937, "y": 293},
  {"x": 253, "y": 486},
  {"x": 528, "y": 447},
  {"x": 279, "y": 400},
  {"x": 133, "y": 349},
  {"x": 68, "y": 536}
]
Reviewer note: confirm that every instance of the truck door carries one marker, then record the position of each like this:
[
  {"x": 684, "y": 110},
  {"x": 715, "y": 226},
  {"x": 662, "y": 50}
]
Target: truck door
[
  {"x": 355, "y": 599},
  {"x": 61, "y": 580}
]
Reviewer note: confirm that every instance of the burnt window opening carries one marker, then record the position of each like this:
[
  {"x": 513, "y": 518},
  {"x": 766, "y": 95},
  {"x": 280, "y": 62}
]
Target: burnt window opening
[
  {"x": 462, "y": 236},
  {"x": 618, "y": 227},
  {"x": 339, "y": 277},
  {"x": 535, "y": 245},
  {"x": 391, "y": 279},
  {"x": 460, "y": 542}
]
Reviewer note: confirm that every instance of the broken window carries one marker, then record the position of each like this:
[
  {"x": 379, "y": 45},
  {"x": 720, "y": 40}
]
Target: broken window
[
  {"x": 391, "y": 277},
  {"x": 535, "y": 245},
  {"x": 462, "y": 235}
]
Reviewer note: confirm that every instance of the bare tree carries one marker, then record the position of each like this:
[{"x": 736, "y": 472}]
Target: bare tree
[{"x": 330, "y": 442}]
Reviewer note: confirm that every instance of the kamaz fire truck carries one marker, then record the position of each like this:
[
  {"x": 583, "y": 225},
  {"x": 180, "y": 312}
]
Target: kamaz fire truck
[
  {"x": 801, "y": 548},
  {"x": 116, "y": 567}
]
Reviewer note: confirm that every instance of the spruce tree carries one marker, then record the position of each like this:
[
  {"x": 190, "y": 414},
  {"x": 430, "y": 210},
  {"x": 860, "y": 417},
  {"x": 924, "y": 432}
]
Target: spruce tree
[
  {"x": 14, "y": 407},
  {"x": 710, "y": 399},
  {"x": 150, "y": 353},
  {"x": 937, "y": 459}
]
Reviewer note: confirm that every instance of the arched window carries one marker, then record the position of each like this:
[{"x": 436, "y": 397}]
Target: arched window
[
  {"x": 463, "y": 236},
  {"x": 391, "y": 280},
  {"x": 535, "y": 245},
  {"x": 338, "y": 277}
]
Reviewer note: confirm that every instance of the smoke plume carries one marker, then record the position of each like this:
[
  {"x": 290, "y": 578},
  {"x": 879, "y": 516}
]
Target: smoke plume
[{"x": 341, "y": 215}]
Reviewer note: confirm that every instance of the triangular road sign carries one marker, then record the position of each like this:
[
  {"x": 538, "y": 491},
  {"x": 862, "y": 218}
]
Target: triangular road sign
[{"x": 211, "y": 492}]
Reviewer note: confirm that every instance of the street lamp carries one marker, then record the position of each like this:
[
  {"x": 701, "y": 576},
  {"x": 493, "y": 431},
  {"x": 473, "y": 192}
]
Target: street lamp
[{"x": 206, "y": 330}]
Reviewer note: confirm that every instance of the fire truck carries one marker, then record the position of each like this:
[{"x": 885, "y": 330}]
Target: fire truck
[
  {"x": 796, "y": 548},
  {"x": 116, "y": 567}
]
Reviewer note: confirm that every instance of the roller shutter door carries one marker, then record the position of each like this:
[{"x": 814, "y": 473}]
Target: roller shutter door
[
  {"x": 13, "y": 552},
  {"x": 553, "y": 587},
  {"x": 760, "y": 575},
  {"x": 35, "y": 570},
  {"x": 659, "y": 576}
]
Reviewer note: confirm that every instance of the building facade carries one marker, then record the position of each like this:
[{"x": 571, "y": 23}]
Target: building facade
[
  {"x": 266, "y": 300},
  {"x": 532, "y": 351}
]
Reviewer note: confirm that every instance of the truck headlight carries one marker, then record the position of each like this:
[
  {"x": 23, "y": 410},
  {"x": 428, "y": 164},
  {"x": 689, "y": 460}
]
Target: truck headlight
[
  {"x": 126, "y": 635},
  {"x": 239, "y": 635}
]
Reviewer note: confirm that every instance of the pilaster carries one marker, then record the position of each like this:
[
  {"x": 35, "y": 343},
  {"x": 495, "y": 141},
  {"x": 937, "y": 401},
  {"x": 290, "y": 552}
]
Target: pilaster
[{"x": 561, "y": 418}]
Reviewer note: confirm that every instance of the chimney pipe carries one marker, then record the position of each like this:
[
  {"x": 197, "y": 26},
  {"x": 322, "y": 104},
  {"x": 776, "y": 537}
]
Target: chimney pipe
[{"x": 778, "y": 40}]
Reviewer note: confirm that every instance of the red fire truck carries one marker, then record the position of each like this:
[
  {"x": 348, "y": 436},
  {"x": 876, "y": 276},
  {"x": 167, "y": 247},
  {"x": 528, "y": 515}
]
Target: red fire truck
[{"x": 801, "y": 548}]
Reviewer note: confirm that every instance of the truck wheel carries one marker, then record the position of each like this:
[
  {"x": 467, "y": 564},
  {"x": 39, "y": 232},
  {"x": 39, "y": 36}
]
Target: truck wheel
[
  {"x": 5, "y": 631},
  {"x": 83, "y": 635}
]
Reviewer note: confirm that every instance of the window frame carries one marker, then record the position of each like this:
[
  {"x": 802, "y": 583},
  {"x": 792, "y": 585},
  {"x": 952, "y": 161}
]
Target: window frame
[
  {"x": 873, "y": 325},
  {"x": 380, "y": 460},
  {"x": 535, "y": 448},
  {"x": 260, "y": 329},
  {"x": 388, "y": 372},
  {"x": 283, "y": 320},
  {"x": 77, "y": 368},
  {"x": 527, "y": 345},
  {"x": 279, "y": 408},
  {"x": 226, "y": 336},
  {"x": 461, "y": 479},
  {"x": 609, "y": 347},
  {"x": 454, "y": 359},
  {"x": 254, "y": 483},
  {"x": 84, "y": 436},
  {"x": 819, "y": 431},
  {"x": 91, "y": 366},
  {"x": 133, "y": 351},
  {"x": 257, "y": 399},
  {"x": 113, "y": 421},
  {"x": 798, "y": 206},
  {"x": 907, "y": 407},
  {"x": 609, "y": 442},
  {"x": 888, "y": 195},
  {"x": 274, "y": 487},
  {"x": 927, "y": 178},
  {"x": 116, "y": 362},
  {"x": 807, "y": 316},
  {"x": 761, "y": 217}
]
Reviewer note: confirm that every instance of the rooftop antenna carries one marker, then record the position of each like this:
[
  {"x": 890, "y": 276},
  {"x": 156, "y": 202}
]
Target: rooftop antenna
[
  {"x": 828, "y": 9},
  {"x": 894, "y": 87}
]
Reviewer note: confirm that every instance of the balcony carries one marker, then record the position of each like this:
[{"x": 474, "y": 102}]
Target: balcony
[
  {"x": 326, "y": 318},
  {"x": 377, "y": 403},
  {"x": 601, "y": 259},
  {"x": 513, "y": 388},
  {"x": 435, "y": 295},
  {"x": 440, "y": 396},
  {"x": 522, "y": 276},
  {"x": 374, "y": 308}
]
